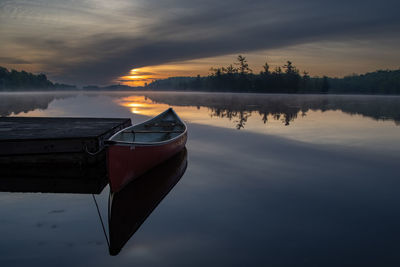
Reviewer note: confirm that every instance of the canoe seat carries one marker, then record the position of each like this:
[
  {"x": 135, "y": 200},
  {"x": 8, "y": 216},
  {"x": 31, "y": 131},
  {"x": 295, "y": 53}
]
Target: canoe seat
[
  {"x": 155, "y": 131},
  {"x": 163, "y": 124}
]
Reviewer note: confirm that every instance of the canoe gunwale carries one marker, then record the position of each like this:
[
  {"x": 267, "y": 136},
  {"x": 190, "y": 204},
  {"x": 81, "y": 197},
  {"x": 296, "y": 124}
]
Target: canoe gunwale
[{"x": 159, "y": 143}]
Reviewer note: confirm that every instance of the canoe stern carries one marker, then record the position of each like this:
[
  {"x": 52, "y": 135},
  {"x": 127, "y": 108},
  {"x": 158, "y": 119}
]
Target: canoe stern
[{"x": 128, "y": 162}]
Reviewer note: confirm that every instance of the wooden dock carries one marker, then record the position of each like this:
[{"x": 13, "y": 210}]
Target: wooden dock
[
  {"x": 27, "y": 135},
  {"x": 55, "y": 154}
]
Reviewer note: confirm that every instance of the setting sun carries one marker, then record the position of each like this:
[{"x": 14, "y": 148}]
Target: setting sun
[
  {"x": 136, "y": 77},
  {"x": 145, "y": 75}
]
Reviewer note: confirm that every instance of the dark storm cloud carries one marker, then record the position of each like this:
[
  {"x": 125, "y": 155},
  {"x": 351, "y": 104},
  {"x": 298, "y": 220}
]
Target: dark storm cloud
[{"x": 178, "y": 30}]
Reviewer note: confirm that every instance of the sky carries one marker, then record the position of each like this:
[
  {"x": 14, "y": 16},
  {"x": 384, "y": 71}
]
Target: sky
[{"x": 100, "y": 42}]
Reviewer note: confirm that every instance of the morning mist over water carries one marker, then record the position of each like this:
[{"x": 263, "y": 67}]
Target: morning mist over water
[{"x": 301, "y": 117}]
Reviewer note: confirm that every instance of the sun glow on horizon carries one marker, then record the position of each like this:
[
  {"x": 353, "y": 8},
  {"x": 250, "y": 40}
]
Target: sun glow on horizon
[
  {"x": 136, "y": 77},
  {"x": 146, "y": 75}
]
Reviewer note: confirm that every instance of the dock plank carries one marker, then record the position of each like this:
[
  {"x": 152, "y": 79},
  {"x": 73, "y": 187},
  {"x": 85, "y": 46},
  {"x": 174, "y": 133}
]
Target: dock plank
[{"x": 23, "y": 128}]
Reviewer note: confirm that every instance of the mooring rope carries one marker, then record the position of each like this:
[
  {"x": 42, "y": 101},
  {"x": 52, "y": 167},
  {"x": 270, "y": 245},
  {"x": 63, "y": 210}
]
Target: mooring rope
[
  {"x": 93, "y": 153},
  {"x": 102, "y": 224}
]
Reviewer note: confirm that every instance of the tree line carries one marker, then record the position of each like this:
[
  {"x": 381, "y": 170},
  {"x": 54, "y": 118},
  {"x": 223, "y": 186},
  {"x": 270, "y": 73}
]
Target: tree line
[
  {"x": 22, "y": 80},
  {"x": 236, "y": 77},
  {"x": 239, "y": 77}
]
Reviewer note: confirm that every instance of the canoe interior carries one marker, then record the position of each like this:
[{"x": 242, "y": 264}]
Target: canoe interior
[{"x": 162, "y": 128}]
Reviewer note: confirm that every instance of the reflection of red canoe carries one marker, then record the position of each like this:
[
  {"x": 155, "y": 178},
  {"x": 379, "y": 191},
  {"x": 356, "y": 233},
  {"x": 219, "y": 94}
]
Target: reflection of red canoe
[
  {"x": 136, "y": 149},
  {"x": 131, "y": 206}
]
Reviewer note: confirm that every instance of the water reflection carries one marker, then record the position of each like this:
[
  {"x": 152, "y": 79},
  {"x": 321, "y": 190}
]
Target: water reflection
[
  {"x": 17, "y": 103},
  {"x": 237, "y": 108},
  {"x": 49, "y": 176},
  {"x": 130, "y": 207},
  {"x": 249, "y": 197},
  {"x": 127, "y": 209},
  {"x": 285, "y": 108}
]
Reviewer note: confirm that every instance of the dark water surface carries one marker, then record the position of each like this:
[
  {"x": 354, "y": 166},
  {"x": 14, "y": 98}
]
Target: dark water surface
[{"x": 271, "y": 180}]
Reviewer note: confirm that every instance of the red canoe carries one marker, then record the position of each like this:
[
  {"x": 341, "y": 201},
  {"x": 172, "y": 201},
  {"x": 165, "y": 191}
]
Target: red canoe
[{"x": 136, "y": 149}]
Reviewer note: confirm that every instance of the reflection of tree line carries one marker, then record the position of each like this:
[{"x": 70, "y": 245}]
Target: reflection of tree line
[
  {"x": 286, "y": 108},
  {"x": 240, "y": 117},
  {"x": 18, "y": 103},
  {"x": 237, "y": 107}
]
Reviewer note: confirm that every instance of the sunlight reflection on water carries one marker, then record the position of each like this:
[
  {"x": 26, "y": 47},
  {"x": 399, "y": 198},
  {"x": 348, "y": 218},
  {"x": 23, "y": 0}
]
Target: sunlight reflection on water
[{"x": 352, "y": 120}]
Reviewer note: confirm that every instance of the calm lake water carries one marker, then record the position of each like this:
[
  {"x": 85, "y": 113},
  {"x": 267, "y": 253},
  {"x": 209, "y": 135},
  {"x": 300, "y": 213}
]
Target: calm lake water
[{"x": 271, "y": 180}]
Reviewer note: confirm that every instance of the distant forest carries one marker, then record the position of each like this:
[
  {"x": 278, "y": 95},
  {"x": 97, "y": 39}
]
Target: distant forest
[
  {"x": 238, "y": 77},
  {"x": 22, "y": 80}
]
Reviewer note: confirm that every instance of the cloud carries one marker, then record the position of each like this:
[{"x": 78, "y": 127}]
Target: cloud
[
  {"x": 100, "y": 45},
  {"x": 11, "y": 60},
  {"x": 135, "y": 81}
]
